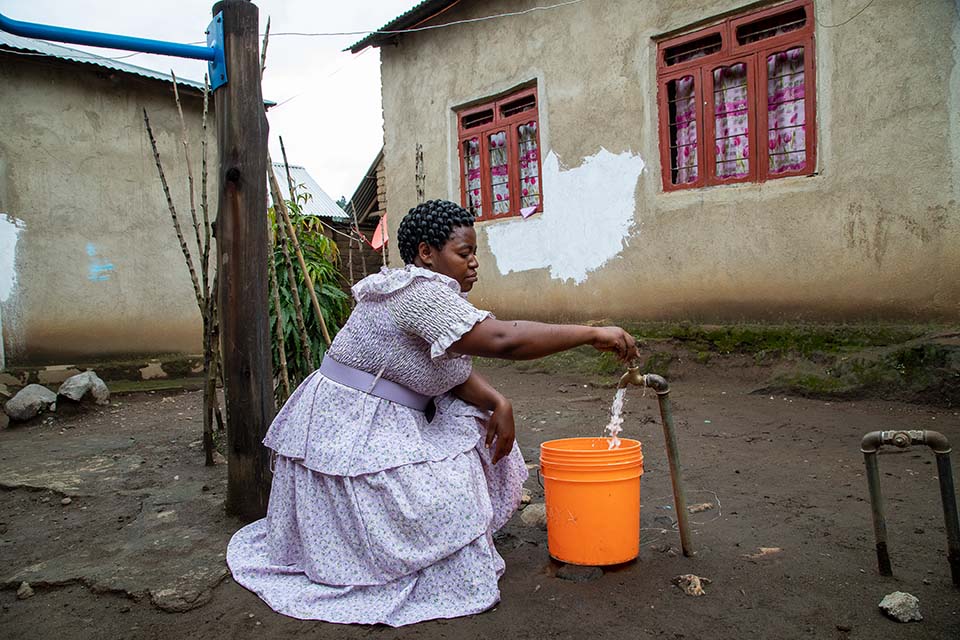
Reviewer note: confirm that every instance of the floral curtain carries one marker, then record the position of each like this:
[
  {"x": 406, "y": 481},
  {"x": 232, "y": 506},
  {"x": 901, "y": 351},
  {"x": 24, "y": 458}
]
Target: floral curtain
[
  {"x": 471, "y": 169},
  {"x": 499, "y": 174},
  {"x": 730, "y": 121},
  {"x": 683, "y": 130},
  {"x": 786, "y": 111},
  {"x": 529, "y": 165}
]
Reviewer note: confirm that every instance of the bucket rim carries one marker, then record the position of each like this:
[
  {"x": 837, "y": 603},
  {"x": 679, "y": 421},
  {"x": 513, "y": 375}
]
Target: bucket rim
[{"x": 626, "y": 444}]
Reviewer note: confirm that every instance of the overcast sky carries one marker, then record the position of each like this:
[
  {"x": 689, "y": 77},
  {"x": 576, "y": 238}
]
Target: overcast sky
[{"x": 328, "y": 102}]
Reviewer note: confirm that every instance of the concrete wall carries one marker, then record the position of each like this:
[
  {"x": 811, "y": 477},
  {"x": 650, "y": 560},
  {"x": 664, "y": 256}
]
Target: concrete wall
[
  {"x": 90, "y": 266},
  {"x": 875, "y": 234}
]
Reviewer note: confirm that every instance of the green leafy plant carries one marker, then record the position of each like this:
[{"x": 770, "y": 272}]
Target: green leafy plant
[{"x": 322, "y": 258}]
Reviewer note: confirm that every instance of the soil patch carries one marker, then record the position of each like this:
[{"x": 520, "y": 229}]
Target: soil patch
[{"x": 787, "y": 542}]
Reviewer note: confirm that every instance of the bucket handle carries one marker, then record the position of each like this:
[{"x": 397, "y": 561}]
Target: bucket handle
[{"x": 539, "y": 478}]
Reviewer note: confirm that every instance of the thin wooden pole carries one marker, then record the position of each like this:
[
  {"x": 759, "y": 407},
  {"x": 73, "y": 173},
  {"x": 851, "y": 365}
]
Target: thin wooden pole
[
  {"x": 241, "y": 234},
  {"x": 292, "y": 282},
  {"x": 296, "y": 245},
  {"x": 281, "y": 343}
]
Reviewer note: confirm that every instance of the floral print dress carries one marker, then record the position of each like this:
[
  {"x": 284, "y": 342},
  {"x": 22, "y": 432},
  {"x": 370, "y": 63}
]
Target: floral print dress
[{"x": 377, "y": 515}]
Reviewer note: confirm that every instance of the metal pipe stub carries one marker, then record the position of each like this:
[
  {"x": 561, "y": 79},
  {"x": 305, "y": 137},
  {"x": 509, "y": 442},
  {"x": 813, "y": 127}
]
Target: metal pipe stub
[
  {"x": 869, "y": 446},
  {"x": 662, "y": 387}
]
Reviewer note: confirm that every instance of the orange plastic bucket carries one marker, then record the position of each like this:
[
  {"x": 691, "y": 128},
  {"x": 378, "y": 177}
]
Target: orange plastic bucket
[{"x": 593, "y": 499}]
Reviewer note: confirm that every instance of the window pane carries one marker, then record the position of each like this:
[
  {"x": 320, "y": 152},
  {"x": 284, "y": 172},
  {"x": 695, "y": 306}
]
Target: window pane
[
  {"x": 529, "y": 165},
  {"x": 693, "y": 49},
  {"x": 730, "y": 121},
  {"x": 772, "y": 26},
  {"x": 682, "y": 107},
  {"x": 499, "y": 174},
  {"x": 471, "y": 175},
  {"x": 786, "y": 111},
  {"x": 477, "y": 119},
  {"x": 526, "y": 103}
]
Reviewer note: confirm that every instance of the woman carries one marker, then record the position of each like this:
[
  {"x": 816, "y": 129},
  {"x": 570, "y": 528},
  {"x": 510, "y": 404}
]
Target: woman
[{"x": 386, "y": 492}]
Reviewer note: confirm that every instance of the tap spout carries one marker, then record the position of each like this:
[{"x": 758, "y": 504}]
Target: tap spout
[{"x": 632, "y": 376}]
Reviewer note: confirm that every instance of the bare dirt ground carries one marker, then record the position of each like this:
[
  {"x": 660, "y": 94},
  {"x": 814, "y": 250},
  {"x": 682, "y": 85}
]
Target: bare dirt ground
[{"x": 138, "y": 551}]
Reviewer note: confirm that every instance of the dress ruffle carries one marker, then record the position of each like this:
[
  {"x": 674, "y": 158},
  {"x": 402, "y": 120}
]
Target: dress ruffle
[
  {"x": 390, "y": 280},
  {"x": 395, "y": 547},
  {"x": 337, "y": 430}
]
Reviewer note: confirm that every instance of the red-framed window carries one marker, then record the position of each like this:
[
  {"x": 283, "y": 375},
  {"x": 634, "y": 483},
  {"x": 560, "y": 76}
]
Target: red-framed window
[
  {"x": 499, "y": 149},
  {"x": 737, "y": 100}
]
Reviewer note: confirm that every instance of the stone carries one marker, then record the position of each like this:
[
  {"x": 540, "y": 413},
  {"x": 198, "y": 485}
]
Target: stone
[
  {"x": 25, "y": 591},
  {"x": 30, "y": 402},
  {"x": 527, "y": 497},
  {"x": 577, "y": 573},
  {"x": 845, "y": 628},
  {"x": 77, "y": 387},
  {"x": 66, "y": 501},
  {"x": 690, "y": 584},
  {"x": 699, "y": 508},
  {"x": 535, "y": 515},
  {"x": 901, "y": 606}
]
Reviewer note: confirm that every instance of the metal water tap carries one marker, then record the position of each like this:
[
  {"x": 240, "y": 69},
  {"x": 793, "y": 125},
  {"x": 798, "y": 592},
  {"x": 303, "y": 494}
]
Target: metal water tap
[
  {"x": 632, "y": 376},
  {"x": 662, "y": 387}
]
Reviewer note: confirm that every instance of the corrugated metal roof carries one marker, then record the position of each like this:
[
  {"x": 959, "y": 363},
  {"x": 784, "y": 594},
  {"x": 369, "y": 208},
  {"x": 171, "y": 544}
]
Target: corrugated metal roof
[
  {"x": 42, "y": 47},
  {"x": 420, "y": 12},
  {"x": 366, "y": 193},
  {"x": 319, "y": 204}
]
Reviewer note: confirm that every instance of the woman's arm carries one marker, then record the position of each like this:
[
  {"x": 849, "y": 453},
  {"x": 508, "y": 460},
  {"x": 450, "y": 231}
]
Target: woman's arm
[
  {"x": 480, "y": 393},
  {"x": 522, "y": 340}
]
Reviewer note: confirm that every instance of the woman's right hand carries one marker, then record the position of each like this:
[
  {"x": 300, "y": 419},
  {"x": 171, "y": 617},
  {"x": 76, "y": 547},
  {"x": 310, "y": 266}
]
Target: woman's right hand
[{"x": 616, "y": 341}]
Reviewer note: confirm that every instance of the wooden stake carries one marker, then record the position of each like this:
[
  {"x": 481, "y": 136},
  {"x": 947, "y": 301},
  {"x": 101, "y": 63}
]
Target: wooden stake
[
  {"x": 241, "y": 252},
  {"x": 173, "y": 213},
  {"x": 281, "y": 206},
  {"x": 281, "y": 343},
  {"x": 291, "y": 278}
]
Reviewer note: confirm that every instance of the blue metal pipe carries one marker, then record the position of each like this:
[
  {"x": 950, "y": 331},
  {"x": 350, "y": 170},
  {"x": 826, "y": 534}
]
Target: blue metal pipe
[{"x": 107, "y": 40}]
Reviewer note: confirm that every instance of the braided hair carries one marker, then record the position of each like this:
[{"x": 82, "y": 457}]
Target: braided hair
[{"x": 432, "y": 222}]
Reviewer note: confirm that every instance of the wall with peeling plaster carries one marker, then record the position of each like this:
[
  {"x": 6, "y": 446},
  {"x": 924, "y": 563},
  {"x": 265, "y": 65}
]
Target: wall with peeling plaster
[
  {"x": 90, "y": 267},
  {"x": 874, "y": 235}
]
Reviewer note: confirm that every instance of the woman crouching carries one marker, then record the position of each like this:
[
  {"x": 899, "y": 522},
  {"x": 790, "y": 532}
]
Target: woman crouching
[{"x": 395, "y": 462}]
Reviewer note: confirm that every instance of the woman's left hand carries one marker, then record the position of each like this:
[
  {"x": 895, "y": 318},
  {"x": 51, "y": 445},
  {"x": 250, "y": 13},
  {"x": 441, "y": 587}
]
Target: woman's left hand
[{"x": 501, "y": 427}]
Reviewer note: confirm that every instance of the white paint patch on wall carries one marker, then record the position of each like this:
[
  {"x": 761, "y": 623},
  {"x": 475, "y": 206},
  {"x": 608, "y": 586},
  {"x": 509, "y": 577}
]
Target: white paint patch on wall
[
  {"x": 587, "y": 215},
  {"x": 10, "y": 229}
]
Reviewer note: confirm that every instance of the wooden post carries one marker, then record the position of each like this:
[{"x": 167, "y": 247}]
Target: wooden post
[{"x": 241, "y": 232}]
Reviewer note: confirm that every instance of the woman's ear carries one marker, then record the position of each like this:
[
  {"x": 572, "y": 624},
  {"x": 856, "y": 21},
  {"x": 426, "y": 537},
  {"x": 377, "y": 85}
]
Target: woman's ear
[{"x": 425, "y": 253}]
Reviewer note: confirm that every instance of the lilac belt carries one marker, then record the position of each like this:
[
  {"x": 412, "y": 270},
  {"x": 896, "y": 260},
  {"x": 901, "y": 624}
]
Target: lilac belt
[{"x": 368, "y": 383}]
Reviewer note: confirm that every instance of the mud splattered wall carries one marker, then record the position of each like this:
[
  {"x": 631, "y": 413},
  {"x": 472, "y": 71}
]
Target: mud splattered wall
[
  {"x": 873, "y": 235},
  {"x": 90, "y": 267}
]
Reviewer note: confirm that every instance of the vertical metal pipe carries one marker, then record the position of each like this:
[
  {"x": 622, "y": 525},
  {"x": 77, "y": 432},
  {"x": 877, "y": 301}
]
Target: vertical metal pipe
[
  {"x": 950, "y": 517},
  {"x": 673, "y": 457},
  {"x": 876, "y": 506}
]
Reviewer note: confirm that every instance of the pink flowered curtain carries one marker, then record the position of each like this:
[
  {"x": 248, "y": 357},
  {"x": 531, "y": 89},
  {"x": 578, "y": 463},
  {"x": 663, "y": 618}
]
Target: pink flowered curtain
[
  {"x": 529, "y": 165},
  {"x": 730, "y": 121},
  {"x": 786, "y": 111},
  {"x": 499, "y": 174},
  {"x": 471, "y": 169},
  {"x": 683, "y": 131}
]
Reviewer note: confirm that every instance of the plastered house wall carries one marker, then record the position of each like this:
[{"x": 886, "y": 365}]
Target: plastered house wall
[
  {"x": 873, "y": 235},
  {"x": 90, "y": 266}
]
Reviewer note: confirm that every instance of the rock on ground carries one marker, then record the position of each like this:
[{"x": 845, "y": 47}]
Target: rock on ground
[
  {"x": 691, "y": 585},
  {"x": 535, "y": 515},
  {"x": 78, "y": 386},
  {"x": 29, "y": 402},
  {"x": 901, "y": 606},
  {"x": 25, "y": 591}
]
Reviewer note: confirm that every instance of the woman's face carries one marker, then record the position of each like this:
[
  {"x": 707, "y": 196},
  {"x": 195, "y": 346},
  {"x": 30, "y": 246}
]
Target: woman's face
[{"x": 457, "y": 259}]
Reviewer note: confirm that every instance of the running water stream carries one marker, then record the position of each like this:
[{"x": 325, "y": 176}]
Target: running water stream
[{"x": 616, "y": 419}]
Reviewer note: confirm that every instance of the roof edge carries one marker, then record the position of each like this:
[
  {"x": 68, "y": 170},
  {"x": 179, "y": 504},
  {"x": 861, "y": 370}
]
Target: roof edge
[{"x": 419, "y": 13}]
